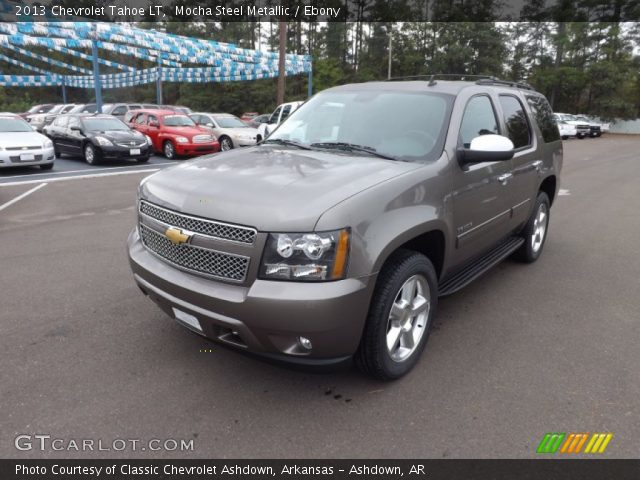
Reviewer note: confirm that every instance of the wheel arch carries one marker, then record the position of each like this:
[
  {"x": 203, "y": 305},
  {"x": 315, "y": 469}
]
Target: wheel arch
[
  {"x": 429, "y": 240},
  {"x": 549, "y": 186}
]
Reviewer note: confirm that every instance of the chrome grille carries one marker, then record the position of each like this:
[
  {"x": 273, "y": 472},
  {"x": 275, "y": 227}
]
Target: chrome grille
[
  {"x": 210, "y": 228},
  {"x": 132, "y": 144},
  {"x": 31, "y": 147},
  {"x": 196, "y": 259},
  {"x": 202, "y": 139}
]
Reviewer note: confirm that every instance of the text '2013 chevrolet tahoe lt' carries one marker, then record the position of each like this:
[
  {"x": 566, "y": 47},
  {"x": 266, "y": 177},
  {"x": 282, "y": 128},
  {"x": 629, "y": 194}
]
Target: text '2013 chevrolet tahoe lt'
[{"x": 334, "y": 238}]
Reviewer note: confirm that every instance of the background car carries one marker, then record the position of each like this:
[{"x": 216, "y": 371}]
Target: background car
[
  {"x": 256, "y": 121},
  {"x": 595, "y": 128},
  {"x": 96, "y": 138},
  {"x": 174, "y": 134},
  {"x": 177, "y": 108},
  {"x": 278, "y": 115},
  {"x": 248, "y": 116},
  {"x": 567, "y": 130},
  {"x": 21, "y": 145},
  {"x": 120, "y": 110},
  {"x": 229, "y": 129},
  {"x": 582, "y": 127},
  {"x": 36, "y": 109},
  {"x": 43, "y": 119},
  {"x": 84, "y": 108}
]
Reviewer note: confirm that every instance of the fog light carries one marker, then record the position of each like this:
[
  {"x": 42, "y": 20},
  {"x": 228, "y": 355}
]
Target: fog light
[{"x": 305, "y": 343}]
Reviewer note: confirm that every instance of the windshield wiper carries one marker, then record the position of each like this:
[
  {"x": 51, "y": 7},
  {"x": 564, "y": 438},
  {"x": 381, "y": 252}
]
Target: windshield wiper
[
  {"x": 352, "y": 147},
  {"x": 282, "y": 141}
]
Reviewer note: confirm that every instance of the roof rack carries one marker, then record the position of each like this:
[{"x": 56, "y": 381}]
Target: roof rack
[
  {"x": 441, "y": 76},
  {"x": 479, "y": 79},
  {"x": 506, "y": 83}
]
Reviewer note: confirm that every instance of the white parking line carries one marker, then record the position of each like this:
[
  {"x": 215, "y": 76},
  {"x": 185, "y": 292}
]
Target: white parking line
[
  {"x": 20, "y": 197},
  {"x": 75, "y": 177},
  {"x": 109, "y": 169}
]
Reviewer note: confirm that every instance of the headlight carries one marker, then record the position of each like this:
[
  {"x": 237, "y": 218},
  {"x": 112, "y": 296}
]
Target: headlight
[
  {"x": 105, "y": 142},
  {"x": 312, "y": 257},
  {"x": 47, "y": 144},
  {"x": 182, "y": 140}
]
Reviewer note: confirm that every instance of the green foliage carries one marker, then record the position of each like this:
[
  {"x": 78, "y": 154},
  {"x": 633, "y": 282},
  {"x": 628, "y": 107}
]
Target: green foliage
[{"x": 582, "y": 67}]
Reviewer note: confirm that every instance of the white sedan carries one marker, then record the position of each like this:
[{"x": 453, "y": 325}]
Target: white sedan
[
  {"x": 21, "y": 146},
  {"x": 229, "y": 129}
]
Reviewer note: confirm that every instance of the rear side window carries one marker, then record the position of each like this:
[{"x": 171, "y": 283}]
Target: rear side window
[
  {"x": 121, "y": 110},
  {"x": 516, "y": 121},
  {"x": 479, "y": 119},
  {"x": 544, "y": 118}
]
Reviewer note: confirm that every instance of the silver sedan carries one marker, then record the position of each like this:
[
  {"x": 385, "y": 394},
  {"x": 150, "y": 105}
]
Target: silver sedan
[
  {"x": 20, "y": 145},
  {"x": 230, "y": 130}
]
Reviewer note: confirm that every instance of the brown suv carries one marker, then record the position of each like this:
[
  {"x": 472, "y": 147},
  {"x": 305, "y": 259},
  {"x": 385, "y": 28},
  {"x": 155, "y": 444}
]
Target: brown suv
[{"x": 335, "y": 237}]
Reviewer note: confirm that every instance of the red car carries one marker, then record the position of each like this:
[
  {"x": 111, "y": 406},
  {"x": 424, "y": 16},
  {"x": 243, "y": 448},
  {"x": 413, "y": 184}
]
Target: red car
[
  {"x": 248, "y": 116},
  {"x": 174, "y": 134}
]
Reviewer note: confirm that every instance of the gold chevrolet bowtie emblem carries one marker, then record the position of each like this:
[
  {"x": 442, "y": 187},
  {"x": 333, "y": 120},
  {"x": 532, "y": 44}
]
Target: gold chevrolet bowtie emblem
[{"x": 176, "y": 236}]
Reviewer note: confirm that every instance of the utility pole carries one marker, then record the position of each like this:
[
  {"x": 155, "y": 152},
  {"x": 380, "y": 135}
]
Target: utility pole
[
  {"x": 281, "y": 67},
  {"x": 390, "y": 49}
]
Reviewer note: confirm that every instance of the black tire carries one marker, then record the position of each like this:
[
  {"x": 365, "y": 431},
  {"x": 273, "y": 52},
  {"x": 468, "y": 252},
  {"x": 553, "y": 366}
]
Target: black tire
[
  {"x": 47, "y": 166},
  {"x": 91, "y": 154},
  {"x": 226, "y": 143},
  {"x": 581, "y": 136},
  {"x": 142, "y": 160},
  {"x": 530, "y": 251},
  {"x": 169, "y": 150},
  {"x": 373, "y": 357},
  {"x": 56, "y": 152}
]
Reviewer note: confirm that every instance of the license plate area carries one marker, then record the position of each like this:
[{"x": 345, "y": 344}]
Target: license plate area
[
  {"x": 187, "y": 320},
  {"x": 27, "y": 157},
  {"x": 134, "y": 151}
]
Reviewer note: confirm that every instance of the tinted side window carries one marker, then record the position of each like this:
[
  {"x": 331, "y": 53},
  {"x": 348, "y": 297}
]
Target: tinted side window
[
  {"x": 275, "y": 115},
  {"x": 121, "y": 110},
  {"x": 479, "y": 119},
  {"x": 140, "y": 119},
  {"x": 544, "y": 117},
  {"x": 285, "y": 112},
  {"x": 516, "y": 121}
]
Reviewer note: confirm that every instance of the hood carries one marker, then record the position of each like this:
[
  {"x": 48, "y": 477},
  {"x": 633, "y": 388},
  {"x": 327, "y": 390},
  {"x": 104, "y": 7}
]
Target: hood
[
  {"x": 186, "y": 131},
  {"x": 21, "y": 139},
  {"x": 120, "y": 135},
  {"x": 269, "y": 188}
]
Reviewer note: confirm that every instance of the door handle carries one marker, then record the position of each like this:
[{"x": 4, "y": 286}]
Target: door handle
[
  {"x": 537, "y": 165},
  {"x": 504, "y": 178}
]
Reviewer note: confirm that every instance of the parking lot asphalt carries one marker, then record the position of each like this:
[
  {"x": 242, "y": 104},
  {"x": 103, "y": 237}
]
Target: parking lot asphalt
[
  {"x": 527, "y": 349},
  {"x": 67, "y": 166}
]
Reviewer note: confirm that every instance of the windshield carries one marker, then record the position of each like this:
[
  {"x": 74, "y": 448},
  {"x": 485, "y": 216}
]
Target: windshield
[
  {"x": 11, "y": 124},
  {"x": 39, "y": 109},
  {"x": 103, "y": 124},
  {"x": 407, "y": 126},
  {"x": 230, "y": 122},
  {"x": 178, "y": 121}
]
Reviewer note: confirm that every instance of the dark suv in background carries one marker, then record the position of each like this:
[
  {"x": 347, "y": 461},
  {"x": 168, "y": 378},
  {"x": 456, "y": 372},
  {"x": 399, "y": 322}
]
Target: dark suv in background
[{"x": 335, "y": 237}]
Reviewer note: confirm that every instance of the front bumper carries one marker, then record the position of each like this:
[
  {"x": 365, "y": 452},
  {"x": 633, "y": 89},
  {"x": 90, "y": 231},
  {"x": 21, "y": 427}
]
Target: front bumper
[
  {"x": 244, "y": 142},
  {"x": 266, "y": 317},
  {"x": 13, "y": 158},
  {"x": 193, "y": 149},
  {"x": 117, "y": 152}
]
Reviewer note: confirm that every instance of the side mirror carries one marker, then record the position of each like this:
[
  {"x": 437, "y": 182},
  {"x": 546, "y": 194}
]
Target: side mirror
[
  {"x": 208, "y": 124},
  {"x": 487, "y": 148},
  {"x": 75, "y": 128},
  {"x": 33, "y": 127},
  {"x": 153, "y": 124}
]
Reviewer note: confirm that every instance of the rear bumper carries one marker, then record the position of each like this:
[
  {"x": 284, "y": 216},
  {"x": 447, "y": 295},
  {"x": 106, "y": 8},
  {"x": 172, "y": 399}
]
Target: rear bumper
[{"x": 266, "y": 318}]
